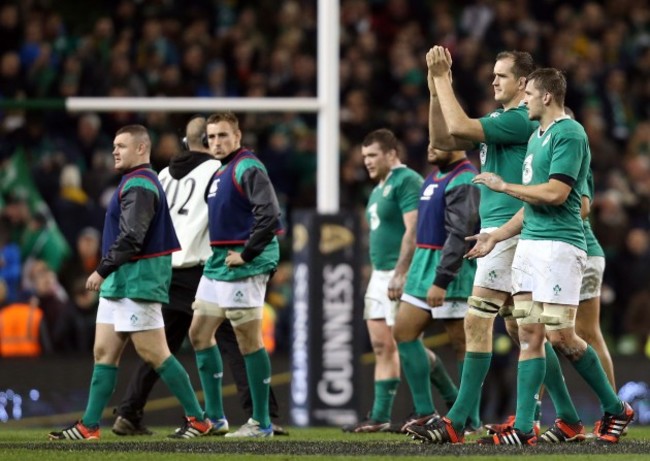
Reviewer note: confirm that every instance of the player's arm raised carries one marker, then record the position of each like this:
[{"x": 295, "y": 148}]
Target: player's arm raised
[
  {"x": 439, "y": 134},
  {"x": 465, "y": 130}
]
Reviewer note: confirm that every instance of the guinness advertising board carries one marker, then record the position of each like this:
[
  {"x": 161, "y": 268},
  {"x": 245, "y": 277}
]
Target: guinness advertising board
[{"x": 328, "y": 315}]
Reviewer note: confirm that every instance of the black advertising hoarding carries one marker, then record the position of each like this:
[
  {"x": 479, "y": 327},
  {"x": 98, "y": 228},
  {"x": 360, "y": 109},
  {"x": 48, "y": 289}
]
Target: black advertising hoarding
[{"x": 327, "y": 319}]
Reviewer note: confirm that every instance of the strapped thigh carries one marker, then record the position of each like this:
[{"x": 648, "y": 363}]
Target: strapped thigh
[
  {"x": 528, "y": 312},
  {"x": 201, "y": 307},
  {"x": 559, "y": 316},
  {"x": 487, "y": 308},
  {"x": 240, "y": 316}
]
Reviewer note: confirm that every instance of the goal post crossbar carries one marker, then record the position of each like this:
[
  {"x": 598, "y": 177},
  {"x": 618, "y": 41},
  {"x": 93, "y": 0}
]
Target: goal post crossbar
[{"x": 178, "y": 104}]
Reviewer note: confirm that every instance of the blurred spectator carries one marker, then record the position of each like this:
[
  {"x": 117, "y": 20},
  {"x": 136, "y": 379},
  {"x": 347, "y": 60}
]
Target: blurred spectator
[
  {"x": 52, "y": 299},
  {"x": 640, "y": 141},
  {"x": 84, "y": 260},
  {"x": 276, "y": 157},
  {"x": 10, "y": 264},
  {"x": 121, "y": 74},
  {"x": 73, "y": 280},
  {"x": 630, "y": 272},
  {"x": 606, "y": 156},
  {"x": 11, "y": 84},
  {"x": 303, "y": 80},
  {"x": 617, "y": 107},
  {"x": 34, "y": 235},
  {"x": 167, "y": 146},
  {"x": 11, "y": 29},
  {"x": 85, "y": 304},
  {"x": 100, "y": 179},
  {"x": 475, "y": 19},
  {"x": 72, "y": 208},
  {"x": 22, "y": 329},
  {"x": 357, "y": 118},
  {"x": 89, "y": 140},
  {"x": 611, "y": 222},
  {"x": 216, "y": 85}
]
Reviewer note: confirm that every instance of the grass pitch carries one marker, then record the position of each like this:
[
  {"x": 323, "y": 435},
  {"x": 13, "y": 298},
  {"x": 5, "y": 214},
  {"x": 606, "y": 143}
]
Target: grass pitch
[{"x": 303, "y": 444}]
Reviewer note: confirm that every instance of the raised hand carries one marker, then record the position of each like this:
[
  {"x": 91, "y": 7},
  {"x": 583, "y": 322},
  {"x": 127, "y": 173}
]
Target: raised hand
[{"x": 439, "y": 63}]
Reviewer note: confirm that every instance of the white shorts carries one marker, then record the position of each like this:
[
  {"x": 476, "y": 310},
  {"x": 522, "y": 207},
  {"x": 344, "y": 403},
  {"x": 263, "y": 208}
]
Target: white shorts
[
  {"x": 592, "y": 279},
  {"x": 550, "y": 270},
  {"x": 449, "y": 309},
  {"x": 494, "y": 270},
  {"x": 376, "y": 302},
  {"x": 237, "y": 294},
  {"x": 127, "y": 315}
]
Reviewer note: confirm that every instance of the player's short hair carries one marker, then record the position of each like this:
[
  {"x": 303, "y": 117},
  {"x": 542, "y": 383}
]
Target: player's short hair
[
  {"x": 384, "y": 137},
  {"x": 550, "y": 80},
  {"x": 139, "y": 132},
  {"x": 228, "y": 117},
  {"x": 522, "y": 62}
]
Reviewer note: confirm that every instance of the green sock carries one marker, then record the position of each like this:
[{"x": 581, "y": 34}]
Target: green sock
[
  {"x": 442, "y": 381},
  {"x": 530, "y": 376},
  {"x": 591, "y": 370},
  {"x": 385, "y": 390},
  {"x": 475, "y": 369},
  {"x": 474, "y": 419},
  {"x": 258, "y": 370},
  {"x": 175, "y": 377},
  {"x": 102, "y": 386},
  {"x": 210, "y": 366},
  {"x": 556, "y": 386},
  {"x": 415, "y": 364}
]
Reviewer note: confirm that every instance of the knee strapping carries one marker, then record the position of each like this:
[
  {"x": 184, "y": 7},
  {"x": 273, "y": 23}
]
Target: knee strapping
[
  {"x": 558, "y": 316},
  {"x": 527, "y": 312},
  {"x": 484, "y": 307}
]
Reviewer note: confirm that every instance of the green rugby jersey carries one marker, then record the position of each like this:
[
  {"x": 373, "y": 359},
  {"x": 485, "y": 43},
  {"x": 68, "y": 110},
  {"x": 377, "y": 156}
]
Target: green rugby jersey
[
  {"x": 562, "y": 149},
  {"x": 593, "y": 246},
  {"x": 398, "y": 194},
  {"x": 506, "y": 137}
]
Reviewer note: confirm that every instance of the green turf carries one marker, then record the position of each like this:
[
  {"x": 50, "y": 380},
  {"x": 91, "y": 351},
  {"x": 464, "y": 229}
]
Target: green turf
[{"x": 308, "y": 444}]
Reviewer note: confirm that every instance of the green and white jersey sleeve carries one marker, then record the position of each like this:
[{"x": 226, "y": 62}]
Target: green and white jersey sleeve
[
  {"x": 503, "y": 152},
  {"x": 562, "y": 149},
  {"x": 398, "y": 194},
  {"x": 593, "y": 246}
]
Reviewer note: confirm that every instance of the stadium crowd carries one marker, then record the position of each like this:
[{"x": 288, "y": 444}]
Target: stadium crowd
[{"x": 56, "y": 168}]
